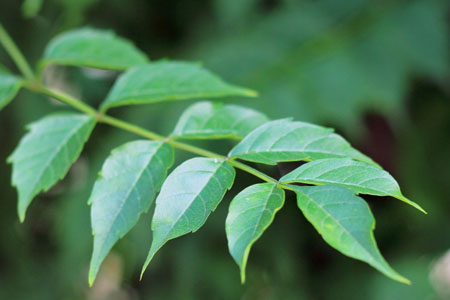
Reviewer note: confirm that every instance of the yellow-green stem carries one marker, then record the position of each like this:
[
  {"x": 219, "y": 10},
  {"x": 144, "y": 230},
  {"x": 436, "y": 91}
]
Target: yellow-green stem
[
  {"x": 15, "y": 54},
  {"x": 102, "y": 117}
]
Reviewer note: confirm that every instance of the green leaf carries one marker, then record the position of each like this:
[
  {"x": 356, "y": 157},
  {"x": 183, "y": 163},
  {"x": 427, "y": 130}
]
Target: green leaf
[
  {"x": 357, "y": 176},
  {"x": 164, "y": 80},
  {"x": 187, "y": 197},
  {"x": 9, "y": 86},
  {"x": 93, "y": 48},
  {"x": 30, "y": 8},
  {"x": 45, "y": 154},
  {"x": 126, "y": 187},
  {"x": 345, "y": 222},
  {"x": 250, "y": 214},
  {"x": 286, "y": 140},
  {"x": 210, "y": 120}
]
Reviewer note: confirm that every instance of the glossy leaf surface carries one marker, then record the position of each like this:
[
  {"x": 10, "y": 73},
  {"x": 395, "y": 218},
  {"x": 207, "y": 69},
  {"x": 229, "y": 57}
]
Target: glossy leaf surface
[
  {"x": 345, "y": 222},
  {"x": 93, "y": 48},
  {"x": 46, "y": 152},
  {"x": 357, "y": 176},
  {"x": 286, "y": 140},
  {"x": 209, "y": 120},
  {"x": 169, "y": 80},
  {"x": 187, "y": 197},
  {"x": 250, "y": 214},
  {"x": 127, "y": 185}
]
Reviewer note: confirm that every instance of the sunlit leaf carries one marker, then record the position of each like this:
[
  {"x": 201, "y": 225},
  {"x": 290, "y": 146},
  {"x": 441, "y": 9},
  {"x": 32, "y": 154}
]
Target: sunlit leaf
[
  {"x": 169, "y": 80},
  {"x": 187, "y": 197},
  {"x": 250, "y": 213},
  {"x": 357, "y": 176},
  {"x": 345, "y": 222},
  {"x": 46, "y": 152},
  {"x": 285, "y": 140},
  {"x": 126, "y": 187},
  {"x": 93, "y": 48},
  {"x": 209, "y": 120}
]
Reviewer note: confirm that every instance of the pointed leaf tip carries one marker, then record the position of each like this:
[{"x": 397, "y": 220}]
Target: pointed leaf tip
[
  {"x": 345, "y": 222},
  {"x": 251, "y": 212},
  {"x": 46, "y": 153},
  {"x": 197, "y": 185},
  {"x": 169, "y": 81},
  {"x": 355, "y": 175},
  {"x": 130, "y": 179},
  {"x": 413, "y": 204}
]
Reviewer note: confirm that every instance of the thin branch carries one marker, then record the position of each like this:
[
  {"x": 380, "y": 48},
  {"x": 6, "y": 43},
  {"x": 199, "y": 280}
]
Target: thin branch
[{"x": 15, "y": 54}]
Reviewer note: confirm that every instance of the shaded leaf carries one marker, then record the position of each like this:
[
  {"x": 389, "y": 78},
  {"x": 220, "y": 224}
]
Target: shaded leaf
[
  {"x": 187, "y": 197},
  {"x": 250, "y": 214},
  {"x": 328, "y": 63},
  {"x": 357, "y": 176},
  {"x": 9, "y": 86},
  {"x": 209, "y": 120},
  {"x": 345, "y": 222},
  {"x": 286, "y": 140},
  {"x": 130, "y": 178},
  {"x": 30, "y": 8},
  {"x": 169, "y": 80},
  {"x": 93, "y": 48},
  {"x": 46, "y": 152}
]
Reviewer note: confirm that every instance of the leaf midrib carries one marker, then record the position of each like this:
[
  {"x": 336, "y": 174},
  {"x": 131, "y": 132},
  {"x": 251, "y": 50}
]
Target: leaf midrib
[
  {"x": 125, "y": 199},
  {"x": 193, "y": 199},
  {"x": 71, "y": 134},
  {"x": 340, "y": 224}
]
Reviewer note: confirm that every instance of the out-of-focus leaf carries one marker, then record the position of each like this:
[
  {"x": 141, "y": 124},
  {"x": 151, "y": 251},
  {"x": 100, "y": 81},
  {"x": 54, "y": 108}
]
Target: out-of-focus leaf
[
  {"x": 45, "y": 154},
  {"x": 169, "y": 80},
  {"x": 345, "y": 222},
  {"x": 9, "y": 86},
  {"x": 357, "y": 176},
  {"x": 285, "y": 140},
  {"x": 93, "y": 48},
  {"x": 250, "y": 214},
  {"x": 209, "y": 120},
  {"x": 30, "y": 8},
  {"x": 331, "y": 63},
  {"x": 187, "y": 197},
  {"x": 127, "y": 185}
]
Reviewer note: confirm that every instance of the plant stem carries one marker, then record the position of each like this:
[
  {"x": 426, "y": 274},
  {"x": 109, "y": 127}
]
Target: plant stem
[
  {"x": 103, "y": 118},
  {"x": 69, "y": 100},
  {"x": 15, "y": 54}
]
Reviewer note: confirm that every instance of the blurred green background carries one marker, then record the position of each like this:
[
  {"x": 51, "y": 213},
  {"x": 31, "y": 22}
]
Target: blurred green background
[{"x": 377, "y": 71}]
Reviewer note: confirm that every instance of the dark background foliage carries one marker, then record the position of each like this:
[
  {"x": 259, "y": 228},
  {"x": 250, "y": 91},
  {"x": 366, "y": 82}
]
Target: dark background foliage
[{"x": 378, "y": 71}]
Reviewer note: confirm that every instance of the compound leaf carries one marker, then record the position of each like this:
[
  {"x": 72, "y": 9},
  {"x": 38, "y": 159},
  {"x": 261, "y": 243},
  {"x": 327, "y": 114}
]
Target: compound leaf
[
  {"x": 212, "y": 120},
  {"x": 9, "y": 86},
  {"x": 345, "y": 222},
  {"x": 187, "y": 197},
  {"x": 127, "y": 185},
  {"x": 46, "y": 152},
  {"x": 250, "y": 214},
  {"x": 168, "y": 80},
  {"x": 357, "y": 176},
  {"x": 93, "y": 48},
  {"x": 286, "y": 140}
]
